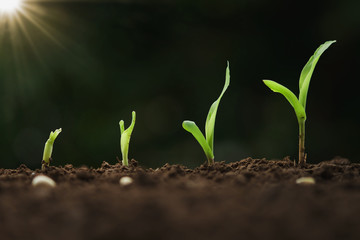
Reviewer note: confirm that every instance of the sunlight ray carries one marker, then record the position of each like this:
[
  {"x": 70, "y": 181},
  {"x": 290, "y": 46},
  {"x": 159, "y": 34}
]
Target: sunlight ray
[
  {"x": 29, "y": 38},
  {"x": 27, "y": 32},
  {"x": 9, "y": 6},
  {"x": 42, "y": 26}
]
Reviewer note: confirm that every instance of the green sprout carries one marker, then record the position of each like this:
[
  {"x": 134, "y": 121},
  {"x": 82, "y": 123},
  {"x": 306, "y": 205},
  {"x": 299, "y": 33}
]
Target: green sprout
[
  {"x": 299, "y": 104},
  {"x": 125, "y": 139},
  {"x": 207, "y": 143},
  {"x": 49, "y": 148}
]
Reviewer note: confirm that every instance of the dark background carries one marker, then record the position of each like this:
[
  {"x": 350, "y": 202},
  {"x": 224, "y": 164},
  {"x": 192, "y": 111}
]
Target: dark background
[{"x": 85, "y": 65}]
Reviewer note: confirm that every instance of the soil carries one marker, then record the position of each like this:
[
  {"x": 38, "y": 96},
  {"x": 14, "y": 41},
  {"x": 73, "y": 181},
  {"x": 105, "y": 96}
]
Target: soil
[{"x": 248, "y": 199}]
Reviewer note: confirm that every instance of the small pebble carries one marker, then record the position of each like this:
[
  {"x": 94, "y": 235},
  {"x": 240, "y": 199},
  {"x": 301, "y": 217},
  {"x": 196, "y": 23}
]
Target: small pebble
[
  {"x": 305, "y": 180},
  {"x": 43, "y": 181},
  {"x": 125, "y": 181}
]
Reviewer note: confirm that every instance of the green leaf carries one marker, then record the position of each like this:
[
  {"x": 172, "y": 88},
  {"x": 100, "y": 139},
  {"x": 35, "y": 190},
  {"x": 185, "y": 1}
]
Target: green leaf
[
  {"x": 125, "y": 138},
  {"x": 211, "y": 117},
  {"x": 122, "y": 127},
  {"x": 308, "y": 70},
  {"x": 53, "y": 135},
  {"x": 191, "y": 127},
  {"x": 48, "y": 148},
  {"x": 290, "y": 96}
]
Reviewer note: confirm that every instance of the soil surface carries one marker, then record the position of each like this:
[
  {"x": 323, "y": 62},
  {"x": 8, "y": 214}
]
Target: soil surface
[{"x": 249, "y": 199}]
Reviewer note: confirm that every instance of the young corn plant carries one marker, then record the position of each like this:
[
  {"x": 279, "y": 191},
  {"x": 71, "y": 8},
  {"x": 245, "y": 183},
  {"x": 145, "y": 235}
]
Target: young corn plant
[
  {"x": 49, "y": 148},
  {"x": 125, "y": 139},
  {"x": 299, "y": 104},
  {"x": 207, "y": 142}
]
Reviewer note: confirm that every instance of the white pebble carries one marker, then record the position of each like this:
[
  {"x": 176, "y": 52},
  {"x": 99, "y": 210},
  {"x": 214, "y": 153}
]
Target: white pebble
[
  {"x": 43, "y": 181},
  {"x": 305, "y": 180},
  {"x": 125, "y": 181}
]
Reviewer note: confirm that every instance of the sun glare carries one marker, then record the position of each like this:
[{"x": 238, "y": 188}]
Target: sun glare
[{"x": 8, "y": 6}]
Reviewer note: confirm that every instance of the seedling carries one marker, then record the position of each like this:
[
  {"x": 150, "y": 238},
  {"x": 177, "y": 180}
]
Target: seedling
[
  {"x": 299, "y": 104},
  {"x": 49, "y": 148},
  {"x": 125, "y": 139},
  {"x": 207, "y": 142}
]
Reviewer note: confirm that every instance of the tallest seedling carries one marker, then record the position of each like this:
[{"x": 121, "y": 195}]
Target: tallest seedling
[{"x": 299, "y": 104}]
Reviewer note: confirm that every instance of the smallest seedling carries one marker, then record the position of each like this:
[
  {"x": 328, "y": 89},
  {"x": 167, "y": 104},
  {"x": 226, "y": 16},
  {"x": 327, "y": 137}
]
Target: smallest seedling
[
  {"x": 125, "y": 139},
  {"x": 49, "y": 148}
]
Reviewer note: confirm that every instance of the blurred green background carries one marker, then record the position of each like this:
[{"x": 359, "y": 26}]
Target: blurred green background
[{"x": 85, "y": 65}]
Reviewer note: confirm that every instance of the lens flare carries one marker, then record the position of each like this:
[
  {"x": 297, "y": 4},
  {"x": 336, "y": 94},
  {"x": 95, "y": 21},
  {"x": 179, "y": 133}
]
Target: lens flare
[{"x": 8, "y": 6}]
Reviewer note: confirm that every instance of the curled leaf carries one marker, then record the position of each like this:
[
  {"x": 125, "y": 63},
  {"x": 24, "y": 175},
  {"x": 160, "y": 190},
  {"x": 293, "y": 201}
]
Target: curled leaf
[
  {"x": 125, "y": 138},
  {"x": 289, "y": 95},
  {"x": 192, "y": 128}
]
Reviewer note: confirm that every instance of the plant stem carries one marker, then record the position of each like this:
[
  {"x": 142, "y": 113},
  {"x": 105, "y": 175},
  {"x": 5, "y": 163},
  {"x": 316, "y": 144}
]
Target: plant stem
[
  {"x": 302, "y": 157},
  {"x": 125, "y": 160},
  {"x": 47, "y": 153},
  {"x": 210, "y": 157}
]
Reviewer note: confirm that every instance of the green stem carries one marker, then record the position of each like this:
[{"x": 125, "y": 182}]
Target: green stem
[
  {"x": 210, "y": 157},
  {"x": 125, "y": 160},
  {"x": 47, "y": 153},
  {"x": 302, "y": 156}
]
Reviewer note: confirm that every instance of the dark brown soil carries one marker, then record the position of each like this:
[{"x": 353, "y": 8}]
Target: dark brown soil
[{"x": 249, "y": 199}]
